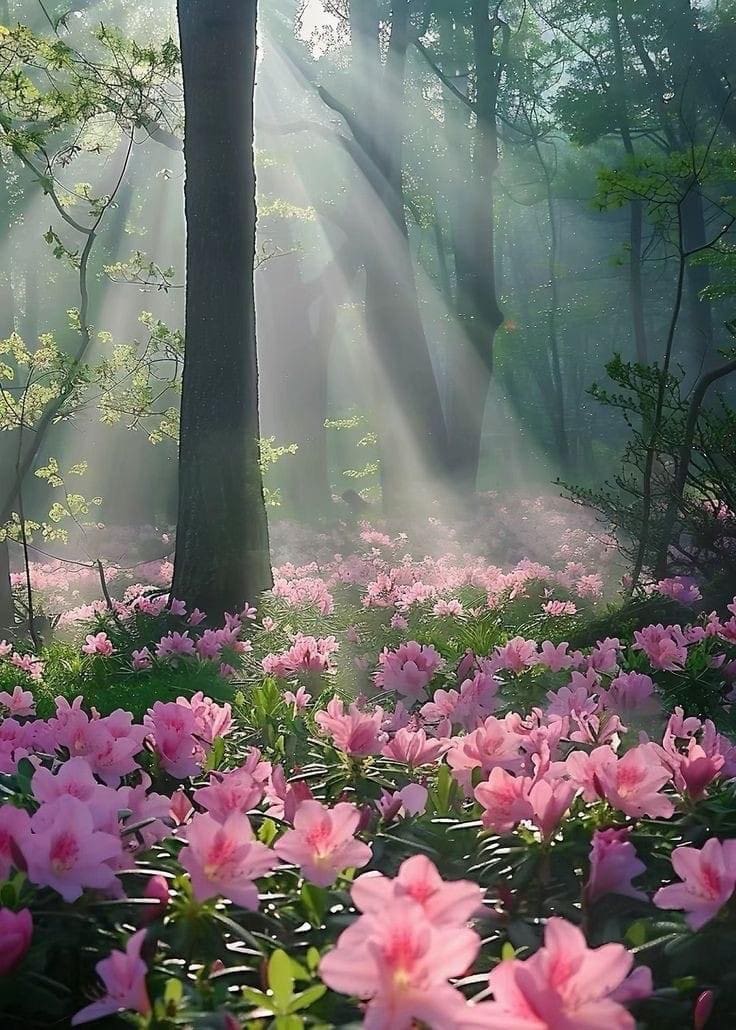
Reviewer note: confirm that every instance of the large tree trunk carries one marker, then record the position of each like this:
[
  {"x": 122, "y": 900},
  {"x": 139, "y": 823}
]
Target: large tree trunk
[{"x": 222, "y": 555}]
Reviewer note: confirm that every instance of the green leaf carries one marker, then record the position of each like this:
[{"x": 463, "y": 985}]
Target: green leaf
[
  {"x": 508, "y": 951},
  {"x": 281, "y": 980},
  {"x": 307, "y": 997}
]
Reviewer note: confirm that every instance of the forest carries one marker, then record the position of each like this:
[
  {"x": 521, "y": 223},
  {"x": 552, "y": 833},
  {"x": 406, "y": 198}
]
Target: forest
[{"x": 368, "y": 514}]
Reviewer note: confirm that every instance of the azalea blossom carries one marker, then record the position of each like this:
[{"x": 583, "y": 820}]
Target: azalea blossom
[
  {"x": 224, "y": 859},
  {"x": 16, "y": 931},
  {"x": 124, "y": 975},
  {"x": 565, "y": 985},
  {"x": 399, "y": 962},
  {"x": 708, "y": 877},
  {"x": 323, "y": 842}
]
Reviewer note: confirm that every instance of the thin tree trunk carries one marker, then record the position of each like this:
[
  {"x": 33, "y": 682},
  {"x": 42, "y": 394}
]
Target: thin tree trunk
[{"x": 222, "y": 555}]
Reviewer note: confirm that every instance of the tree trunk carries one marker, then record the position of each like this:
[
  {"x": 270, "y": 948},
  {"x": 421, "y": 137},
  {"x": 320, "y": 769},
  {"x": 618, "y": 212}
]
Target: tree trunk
[
  {"x": 222, "y": 555},
  {"x": 473, "y": 237}
]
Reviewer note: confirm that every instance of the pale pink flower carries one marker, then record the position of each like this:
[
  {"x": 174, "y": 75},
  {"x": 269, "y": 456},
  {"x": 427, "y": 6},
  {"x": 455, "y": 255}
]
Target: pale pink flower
[
  {"x": 630, "y": 690},
  {"x": 517, "y": 655},
  {"x": 284, "y": 798},
  {"x": 323, "y": 842},
  {"x": 563, "y": 986},
  {"x": 451, "y": 609},
  {"x": 124, "y": 975},
  {"x": 223, "y": 859},
  {"x": 409, "y": 801},
  {"x": 549, "y": 802},
  {"x": 413, "y": 747},
  {"x": 353, "y": 732},
  {"x": 18, "y": 704},
  {"x": 211, "y": 720},
  {"x": 399, "y": 962},
  {"x": 408, "y": 669},
  {"x": 98, "y": 643},
  {"x": 141, "y": 659},
  {"x": 65, "y": 852},
  {"x": 299, "y": 700},
  {"x": 709, "y": 879},
  {"x": 16, "y": 931},
  {"x": 555, "y": 658},
  {"x": 613, "y": 865},
  {"x": 172, "y": 727},
  {"x": 632, "y": 783},
  {"x": 559, "y": 608},
  {"x": 177, "y": 607},
  {"x": 665, "y": 648},
  {"x": 175, "y": 645},
  {"x": 444, "y": 902},
  {"x": 493, "y": 744},
  {"x": 504, "y": 800},
  {"x": 235, "y": 791}
]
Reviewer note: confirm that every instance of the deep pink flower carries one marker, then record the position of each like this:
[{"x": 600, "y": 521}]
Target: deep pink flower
[
  {"x": 399, "y": 962},
  {"x": 225, "y": 858},
  {"x": 709, "y": 879},
  {"x": 613, "y": 865},
  {"x": 175, "y": 645},
  {"x": 323, "y": 842},
  {"x": 493, "y": 744},
  {"x": 563, "y": 986},
  {"x": 124, "y": 975},
  {"x": 16, "y": 931}
]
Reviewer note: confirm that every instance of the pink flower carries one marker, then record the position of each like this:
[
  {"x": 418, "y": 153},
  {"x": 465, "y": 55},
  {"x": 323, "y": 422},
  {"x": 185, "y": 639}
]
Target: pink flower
[
  {"x": 285, "y": 798},
  {"x": 196, "y": 617},
  {"x": 19, "y": 704},
  {"x": 409, "y": 801},
  {"x": 141, "y": 659},
  {"x": 680, "y": 588},
  {"x": 517, "y": 655},
  {"x": 16, "y": 931},
  {"x": 493, "y": 744},
  {"x": 549, "y": 802},
  {"x": 224, "y": 859},
  {"x": 65, "y": 852},
  {"x": 235, "y": 791},
  {"x": 444, "y": 903},
  {"x": 407, "y": 670},
  {"x": 665, "y": 648},
  {"x": 98, "y": 643},
  {"x": 323, "y": 843},
  {"x": 353, "y": 732},
  {"x": 629, "y": 690},
  {"x": 412, "y": 748},
  {"x": 177, "y": 607},
  {"x": 563, "y": 986},
  {"x": 124, "y": 975},
  {"x": 172, "y": 727},
  {"x": 613, "y": 865},
  {"x": 157, "y": 889},
  {"x": 709, "y": 879},
  {"x": 175, "y": 645},
  {"x": 211, "y": 720},
  {"x": 559, "y": 608},
  {"x": 399, "y": 961},
  {"x": 632, "y": 783},
  {"x": 298, "y": 700},
  {"x": 15, "y": 825},
  {"x": 555, "y": 658},
  {"x": 504, "y": 800}
]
